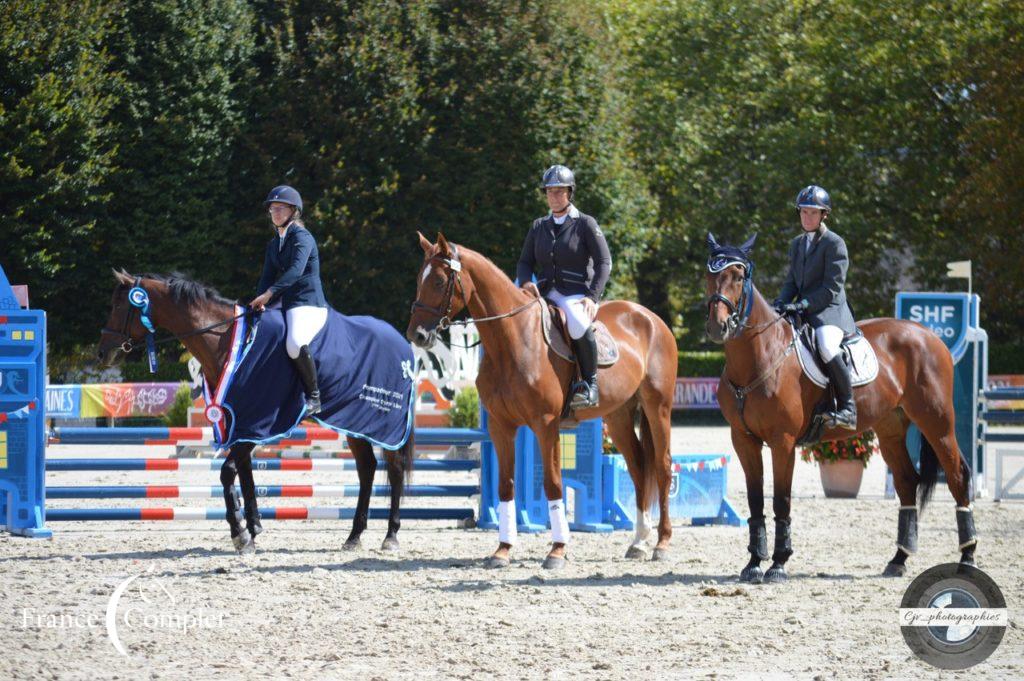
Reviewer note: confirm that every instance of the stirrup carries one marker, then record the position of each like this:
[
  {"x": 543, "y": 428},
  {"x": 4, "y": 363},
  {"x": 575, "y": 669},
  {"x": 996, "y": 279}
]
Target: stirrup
[
  {"x": 585, "y": 396},
  {"x": 844, "y": 419}
]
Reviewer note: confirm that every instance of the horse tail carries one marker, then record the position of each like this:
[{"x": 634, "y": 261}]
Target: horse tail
[
  {"x": 647, "y": 463},
  {"x": 929, "y": 472},
  {"x": 407, "y": 453}
]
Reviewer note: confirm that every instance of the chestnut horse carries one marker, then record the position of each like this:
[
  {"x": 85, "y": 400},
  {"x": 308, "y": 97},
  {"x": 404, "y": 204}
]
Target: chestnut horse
[
  {"x": 766, "y": 398},
  {"x": 523, "y": 382},
  {"x": 201, "y": 320}
]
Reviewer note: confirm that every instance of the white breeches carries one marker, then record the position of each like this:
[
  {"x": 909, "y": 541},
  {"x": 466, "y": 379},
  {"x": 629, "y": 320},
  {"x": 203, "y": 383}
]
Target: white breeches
[
  {"x": 575, "y": 314},
  {"x": 829, "y": 338},
  {"x": 304, "y": 323}
]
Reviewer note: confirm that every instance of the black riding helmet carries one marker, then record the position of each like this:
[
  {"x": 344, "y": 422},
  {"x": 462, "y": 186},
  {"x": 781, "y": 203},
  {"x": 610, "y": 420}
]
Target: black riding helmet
[{"x": 559, "y": 176}]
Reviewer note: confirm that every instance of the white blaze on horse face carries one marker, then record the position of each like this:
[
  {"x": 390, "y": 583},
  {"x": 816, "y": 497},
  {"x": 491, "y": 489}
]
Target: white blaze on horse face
[{"x": 426, "y": 273}]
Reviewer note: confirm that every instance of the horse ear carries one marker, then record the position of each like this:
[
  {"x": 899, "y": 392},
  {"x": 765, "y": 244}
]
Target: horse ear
[
  {"x": 442, "y": 244},
  {"x": 123, "y": 276},
  {"x": 424, "y": 242},
  {"x": 748, "y": 245},
  {"x": 712, "y": 244}
]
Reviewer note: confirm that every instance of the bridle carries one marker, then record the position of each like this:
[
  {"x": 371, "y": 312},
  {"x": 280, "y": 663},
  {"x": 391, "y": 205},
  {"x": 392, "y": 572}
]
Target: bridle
[
  {"x": 444, "y": 310},
  {"x": 739, "y": 312},
  {"x": 138, "y": 299}
]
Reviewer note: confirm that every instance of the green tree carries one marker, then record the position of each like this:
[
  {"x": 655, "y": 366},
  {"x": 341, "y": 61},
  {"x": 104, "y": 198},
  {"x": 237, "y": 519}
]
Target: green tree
[{"x": 57, "y": 150}]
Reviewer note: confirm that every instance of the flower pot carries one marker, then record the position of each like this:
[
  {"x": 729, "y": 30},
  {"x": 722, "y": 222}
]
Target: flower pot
[{"x": 841, "y": 479}]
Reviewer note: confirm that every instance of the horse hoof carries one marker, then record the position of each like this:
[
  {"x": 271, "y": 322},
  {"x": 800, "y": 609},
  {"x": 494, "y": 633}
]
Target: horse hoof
[
  {"x": 553, "y": 563},
  {"x": 776, "y": 575},
  {"x": 636, "y": 553},
  {"x": 352, "y": 545},
  {"x": 659, "y": 555},
  {"x": 752, "y": 575},
  {"x": 243, "y": 542},
  {"x": 894, "y": 570},
  {"x": 390, "y": 545},
  {"x": 496, "y": 562}
]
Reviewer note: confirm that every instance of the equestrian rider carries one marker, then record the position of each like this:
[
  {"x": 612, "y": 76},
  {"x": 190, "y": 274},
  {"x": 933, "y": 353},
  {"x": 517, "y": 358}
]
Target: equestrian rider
[
  {"x": 572, "y": 255},
  {"x": 818, "y": 261},
  {"x": 291, "y": 275}
]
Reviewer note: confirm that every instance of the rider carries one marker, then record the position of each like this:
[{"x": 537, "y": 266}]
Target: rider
[
  {"x": 574, "y": 263},
  {"x": 291, "y": 274},
  {"x": 818, "y": 261}
]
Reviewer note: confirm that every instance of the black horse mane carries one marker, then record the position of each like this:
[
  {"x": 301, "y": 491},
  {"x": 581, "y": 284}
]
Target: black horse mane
[{"x": 185, "y": 291}]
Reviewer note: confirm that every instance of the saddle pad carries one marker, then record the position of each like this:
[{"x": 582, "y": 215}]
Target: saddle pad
[
  {"x": 859, "y": 355},
  {"x": 607, "y": 347},
  {"x": 365, "y": 373}
]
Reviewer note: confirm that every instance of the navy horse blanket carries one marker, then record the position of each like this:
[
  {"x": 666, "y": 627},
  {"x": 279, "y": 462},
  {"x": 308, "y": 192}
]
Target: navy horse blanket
[{"x": 365, "y": 373}]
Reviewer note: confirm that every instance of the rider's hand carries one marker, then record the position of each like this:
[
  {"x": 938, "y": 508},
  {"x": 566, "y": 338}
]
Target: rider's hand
[
  {"x": 778, "y": 305},
  {"x": 531, "y": 288},
  {"x": 590, "y": 307},
  {"x": 260, "y": 302}
]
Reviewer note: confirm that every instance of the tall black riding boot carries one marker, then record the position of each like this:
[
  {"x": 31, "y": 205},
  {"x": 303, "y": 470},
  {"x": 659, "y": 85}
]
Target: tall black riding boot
[
  {"x": 307, "y": 372},
  {"x": 586, "y": 395},
  {"x": 845, "y": 415}
]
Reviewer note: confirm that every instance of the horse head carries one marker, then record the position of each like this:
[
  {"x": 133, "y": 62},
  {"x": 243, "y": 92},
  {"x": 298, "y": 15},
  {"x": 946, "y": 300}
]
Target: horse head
[
  {"x": 440, "y": 294},
  {"x": 124, "y": 328},
  {"x": 729, "y": 288}
]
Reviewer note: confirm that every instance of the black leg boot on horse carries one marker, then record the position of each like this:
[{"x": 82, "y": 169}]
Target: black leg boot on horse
[
  {"x": 758, "y": 548},
  {"x": 306, "y": 368},
  {"x": 585, "y": 393},
  {"x": 240, "y": 536},
  {"x": 845, "y": 415},
  {"x": 783, "y": 550},
  {"x": 242, "y": 454}
]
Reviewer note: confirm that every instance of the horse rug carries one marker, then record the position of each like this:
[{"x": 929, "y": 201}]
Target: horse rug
[{"x": 365, "y": 373}]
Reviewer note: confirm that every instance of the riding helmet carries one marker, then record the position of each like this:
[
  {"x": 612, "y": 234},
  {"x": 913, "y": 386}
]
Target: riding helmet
[
  {"x": 559, "y": 176},
  {"x": 284, "y": 194},
  {"x": 813, "y": 196}
]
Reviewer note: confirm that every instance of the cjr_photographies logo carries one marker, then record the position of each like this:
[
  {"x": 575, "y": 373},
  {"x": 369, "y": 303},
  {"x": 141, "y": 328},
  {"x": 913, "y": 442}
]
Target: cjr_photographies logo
[{"x": 953, "y": 616}]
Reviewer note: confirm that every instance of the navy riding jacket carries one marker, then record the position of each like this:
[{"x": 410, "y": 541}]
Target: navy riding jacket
[
  {"x": 573, "y": 257},
  {"x": 291, "y": 270}
]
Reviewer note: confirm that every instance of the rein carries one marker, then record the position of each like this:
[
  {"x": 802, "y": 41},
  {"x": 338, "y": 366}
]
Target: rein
[{"x": 444, "y": 311}]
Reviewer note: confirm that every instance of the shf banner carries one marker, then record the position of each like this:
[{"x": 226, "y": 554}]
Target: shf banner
[{"x": 953, "y": 317}]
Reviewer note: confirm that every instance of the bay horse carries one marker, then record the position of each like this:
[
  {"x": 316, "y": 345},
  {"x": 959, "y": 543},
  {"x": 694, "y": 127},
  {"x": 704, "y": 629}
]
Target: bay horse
[
  {"x": 201, "y": 320},
  {"x": 523, "y": 382},
  {"x": 766, "y": 398}
]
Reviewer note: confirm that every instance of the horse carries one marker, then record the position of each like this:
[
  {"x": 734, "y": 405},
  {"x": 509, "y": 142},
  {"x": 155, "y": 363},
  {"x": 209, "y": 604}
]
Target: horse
[
  {"x": 523, "y": 382},
  {"x": 201, "y": 319},
  {"x": 766, "y": 398}
]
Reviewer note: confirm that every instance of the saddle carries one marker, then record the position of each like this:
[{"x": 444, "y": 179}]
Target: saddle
[
  {"x": 859, "y": 356},
  {"x": 556, "y": 335}
]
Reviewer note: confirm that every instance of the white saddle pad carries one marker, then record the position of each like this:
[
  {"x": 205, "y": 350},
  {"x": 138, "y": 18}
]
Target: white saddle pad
[{"x": 863, "y": 371}]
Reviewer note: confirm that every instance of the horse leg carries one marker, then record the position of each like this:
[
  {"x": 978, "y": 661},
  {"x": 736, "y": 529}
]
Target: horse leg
[
  {"x": 892, "y": 441},
  {"x": 396, "y": 480},
  {"x": 366, "y": 467},
  {"x": 937, "y": 429},
  {"x": 242, "y": 453},
  {"x": 622, "y": 433},
  {"x": 783, "y": 458},
  {"x": 656, "y": 439},
  {"x": 551, "y": 454},
  {"x": 240, "y": 537},
  {"x": 748, "y": 449},
  {"x": 504, "y": 438}
]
